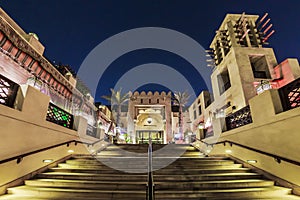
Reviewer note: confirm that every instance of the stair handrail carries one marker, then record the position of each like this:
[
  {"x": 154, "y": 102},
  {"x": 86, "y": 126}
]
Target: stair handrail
[
  {"x": 20, "y": 157},
  {"x": 277, "y": 158},
  {"x": 150, "y": 184}
]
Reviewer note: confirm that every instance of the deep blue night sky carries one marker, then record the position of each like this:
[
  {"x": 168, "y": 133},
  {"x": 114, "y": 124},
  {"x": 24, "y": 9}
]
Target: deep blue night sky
[{"x": 70, "y": 29}]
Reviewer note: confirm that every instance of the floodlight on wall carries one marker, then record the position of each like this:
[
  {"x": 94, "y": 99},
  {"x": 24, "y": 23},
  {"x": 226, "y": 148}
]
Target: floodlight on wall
[
  {"x": 47, "y": 160},
  {"x": 228, "y": 151},
  {"x": 70, "y": 151},
  {"x": 251, "y": 161}
]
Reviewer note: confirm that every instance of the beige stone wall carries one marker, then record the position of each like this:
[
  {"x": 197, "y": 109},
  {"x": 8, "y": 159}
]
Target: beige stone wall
[
  {"x": 149, "y": 100},
  {"x": 37, "y": 45},
  {"x": 272, "y": 131},
  {"x": 25, "y": 129}
]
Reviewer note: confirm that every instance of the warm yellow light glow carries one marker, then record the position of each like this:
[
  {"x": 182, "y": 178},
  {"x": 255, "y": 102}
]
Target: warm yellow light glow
[
  {"x": 228, "y": 151},
  {"x": 252, "y": 161},
  {"x": 70, "y": 151},
  {"x": 208, "y": 151},
  {"x": 201, "y": 126},
  {"x": 48, "y": 160}
]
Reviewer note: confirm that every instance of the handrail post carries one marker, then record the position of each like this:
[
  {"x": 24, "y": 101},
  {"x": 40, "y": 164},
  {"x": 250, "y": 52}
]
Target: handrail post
[{"x": 150, "y": 186}]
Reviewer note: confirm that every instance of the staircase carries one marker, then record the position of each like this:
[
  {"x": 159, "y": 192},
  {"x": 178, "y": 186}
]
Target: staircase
[{"x": 120, "y": 172}]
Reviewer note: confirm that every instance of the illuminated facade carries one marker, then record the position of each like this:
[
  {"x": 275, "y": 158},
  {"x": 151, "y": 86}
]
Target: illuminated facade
[
  {"x": 151, "y": 115},
  {"x": 243, "y": 68},
  {"x": 40, "y": 107}
]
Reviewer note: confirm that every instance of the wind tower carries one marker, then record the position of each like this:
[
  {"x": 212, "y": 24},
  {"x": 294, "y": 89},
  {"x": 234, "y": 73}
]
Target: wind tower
[{"x": 240, "y": 57}]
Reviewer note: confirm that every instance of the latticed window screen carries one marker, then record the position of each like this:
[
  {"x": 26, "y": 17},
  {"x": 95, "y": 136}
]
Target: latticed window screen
[
  {"x": 240, "y": 118},
  {"x": 59, "y": 116},
  {"x": 294, "y": 97},
  {"x": 290, "y": 95},
  {"x": 8, "y": 91}
]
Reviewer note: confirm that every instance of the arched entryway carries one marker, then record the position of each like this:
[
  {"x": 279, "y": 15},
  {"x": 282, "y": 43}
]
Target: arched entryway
[{"x": 150, "y": 124}]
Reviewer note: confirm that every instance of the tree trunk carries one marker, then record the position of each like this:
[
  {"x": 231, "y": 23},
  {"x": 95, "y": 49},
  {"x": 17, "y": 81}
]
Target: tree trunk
[
  {"x": 118, "y": 116},
  {"x": 180, "y": 123}
]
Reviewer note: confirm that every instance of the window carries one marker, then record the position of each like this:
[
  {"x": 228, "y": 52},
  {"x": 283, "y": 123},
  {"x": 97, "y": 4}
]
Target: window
[
  {"x": 157, "y": 100},
  {"x": 260, "y": 66},
  {"x": 223, "y": 82},
  {"x": 207, "y": 103},
  {"x": 200, "y": 111},
  {"x": 195, "y": 114},
  {"x": 142, "y": 101},
  {"x": 149, "y": 101}
]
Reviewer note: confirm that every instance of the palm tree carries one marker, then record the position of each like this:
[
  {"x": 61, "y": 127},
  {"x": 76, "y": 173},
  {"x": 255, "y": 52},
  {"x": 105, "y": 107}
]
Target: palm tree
[
  {"x": 117, "y": 99},
  {"x": 181, "y": 99}
]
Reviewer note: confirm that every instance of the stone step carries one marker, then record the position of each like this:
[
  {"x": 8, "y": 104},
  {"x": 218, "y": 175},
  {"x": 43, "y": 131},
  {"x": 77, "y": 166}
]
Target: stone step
[
  {"x": 198, "y": 185},
  {"x": 131, "y": 154},
  {"x": 58, "y": 193},
  {"x": 88, "y": 184},
  {"x": 198, "y": 171},
  {"x": 154, "y": 146},
  {"x": 161, "y": 171},
  {"x": 160, "y": 194},
  {"x": 191, "y": 176},
  {"x": 155, "y": 155},
  {"x": 143, "y": 177},
  {"x": 145, "y": 150},
  {"x": 278, "y": 197},
  {"x": 22, "y": 197},
  {"x": 206, "y": 177},
  {"x": 91, "y": 176},
  {"x": 33, "y": 197},
  {"x": 94, "y": 171},
  {"x": 89, "y": 157},
  {"x": 155, "y": 165},
  {"x": 177, "y": 165},
  {"x": 261, "y": 192},
  {"x": 145, "y": 160}
]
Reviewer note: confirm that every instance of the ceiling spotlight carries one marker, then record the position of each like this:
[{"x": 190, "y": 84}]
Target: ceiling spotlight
[{"x": 149, "y": 120}]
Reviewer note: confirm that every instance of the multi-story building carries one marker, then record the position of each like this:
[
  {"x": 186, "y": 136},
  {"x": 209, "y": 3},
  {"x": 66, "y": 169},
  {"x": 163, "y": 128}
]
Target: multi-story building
[
  {"x": 150, "y": 116},
  {"x": 243, "y": 68},
  {"x": 252, "y": 114},
  {"x": 254, "y": 105}
]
